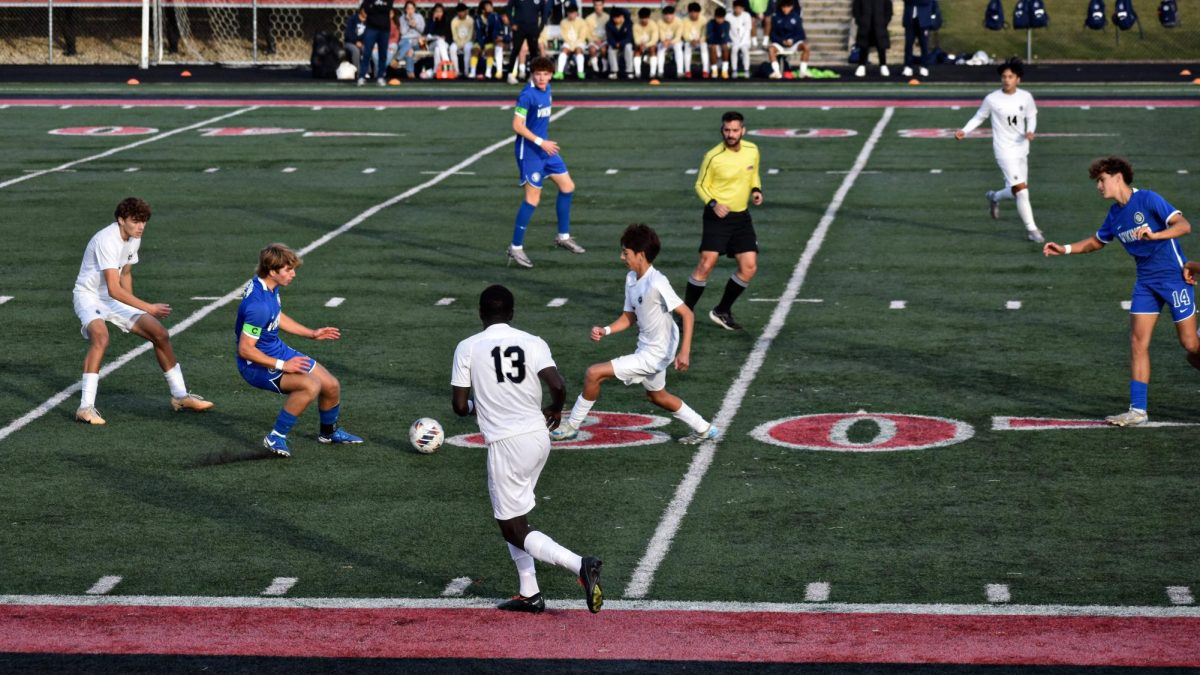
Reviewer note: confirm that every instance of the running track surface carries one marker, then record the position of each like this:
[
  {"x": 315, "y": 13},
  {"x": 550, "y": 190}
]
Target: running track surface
[
  {"x": 583, "y": 103},
  {"x": 655, "y": 635}
]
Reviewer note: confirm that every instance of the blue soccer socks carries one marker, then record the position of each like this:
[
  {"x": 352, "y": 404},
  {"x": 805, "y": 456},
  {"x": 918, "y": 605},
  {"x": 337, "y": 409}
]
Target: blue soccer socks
[
  {"x": 1138, "y": 394},
  {"x": 562, "y": 207},
  {"x": 284, "y": 423},
  {"x": 329, "y": 419},
  {"x": 524, "y": 215}
]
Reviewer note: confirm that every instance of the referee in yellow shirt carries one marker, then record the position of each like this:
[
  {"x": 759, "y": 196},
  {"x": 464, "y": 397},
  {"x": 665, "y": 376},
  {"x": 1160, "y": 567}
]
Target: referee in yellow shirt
[{"x": 728, "y": 181}]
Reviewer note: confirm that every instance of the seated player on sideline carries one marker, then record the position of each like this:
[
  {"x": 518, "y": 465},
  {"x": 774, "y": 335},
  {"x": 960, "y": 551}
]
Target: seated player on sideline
[
  {"x": 649, "y": 301},
  {"x": 497, "y": 366},
  {"x": 104, "y": 293},
  {"x": 1148, "y": 228},
  {"x": 268, "y": 363}
]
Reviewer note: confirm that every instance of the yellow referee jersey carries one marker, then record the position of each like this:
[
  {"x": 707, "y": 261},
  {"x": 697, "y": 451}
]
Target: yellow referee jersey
[{"x": 729, "y": 176}]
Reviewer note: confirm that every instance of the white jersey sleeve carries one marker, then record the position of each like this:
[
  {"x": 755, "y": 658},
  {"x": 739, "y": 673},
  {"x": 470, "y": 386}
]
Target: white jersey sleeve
[
  {"x": 984, "y": 112},
  {"x": 105, "y": 251},
  {"x": 670, "y": 298},
  {"x": 460, "y": 371},
  {"x": 501, "y": 367}
]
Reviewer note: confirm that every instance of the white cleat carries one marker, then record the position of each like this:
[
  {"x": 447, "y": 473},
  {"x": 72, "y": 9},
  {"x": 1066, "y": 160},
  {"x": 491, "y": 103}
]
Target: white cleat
[
  {"x": 191, "y": 402},
  {"x": 1036, "y": 237},
  {"x": 1130, "y": 418},
  {"x": 907, "y": 72},
  {"x": 518, "y": 256},
  {"x": 565, "y": 432},
  {"x": 860, "y": 71},
  {"x": 698, "y": 437},
  {"x": 570, "y": 244},
  {"x": 884, "y": 72},
  {"x": 89, "y": 415},
  {"x": 923, "y": 71}
]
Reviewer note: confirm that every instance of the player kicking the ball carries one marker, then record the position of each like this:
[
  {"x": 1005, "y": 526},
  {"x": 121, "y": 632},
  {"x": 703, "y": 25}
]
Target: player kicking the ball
[
  {"x": 538, "y": 159},
  {"x": 499, "y": 366},
  {"x": 1148, "y": 228},
  {"x": 267, "y": 363},
  {"x": 649, "y": 301},
  {"x": 104, "y": 293}
]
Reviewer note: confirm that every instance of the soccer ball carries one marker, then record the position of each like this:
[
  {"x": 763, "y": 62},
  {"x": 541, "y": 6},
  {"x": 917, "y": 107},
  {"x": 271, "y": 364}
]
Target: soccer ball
[{"x": 426, "y": 435}]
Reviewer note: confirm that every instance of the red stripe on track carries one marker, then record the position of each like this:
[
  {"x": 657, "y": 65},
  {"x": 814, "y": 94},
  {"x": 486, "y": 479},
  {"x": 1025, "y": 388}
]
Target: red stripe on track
[
  {"x": 574, "y": 634},
  {"x": 587, "y": 103}
]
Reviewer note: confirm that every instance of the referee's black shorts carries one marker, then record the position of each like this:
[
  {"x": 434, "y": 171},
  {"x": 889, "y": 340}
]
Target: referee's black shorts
[{"x": 730, "y": 235}]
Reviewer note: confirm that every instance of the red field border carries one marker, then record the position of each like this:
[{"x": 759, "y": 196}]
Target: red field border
[
  {"x": 809, "y": 633},
  {"x": 581, "y": 103}
]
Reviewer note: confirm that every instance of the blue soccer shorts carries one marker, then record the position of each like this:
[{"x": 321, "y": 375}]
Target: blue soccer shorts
[
  {"x": 1149, "y": 296},
  {"x": 534, "y": 169},
  {"x": 268, "y": 378}
]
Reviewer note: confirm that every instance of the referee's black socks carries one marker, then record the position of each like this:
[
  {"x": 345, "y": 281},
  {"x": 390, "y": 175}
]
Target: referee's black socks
[
  {"x": 695, "y": 289},
  {"x": 733, "y": 289}
]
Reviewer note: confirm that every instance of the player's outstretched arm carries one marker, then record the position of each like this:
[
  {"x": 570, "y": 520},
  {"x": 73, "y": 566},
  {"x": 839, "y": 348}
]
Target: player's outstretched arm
[
  {"x": 1082, "y": 246},
  {"x": 683, "y": 358},
  {"x": 290, "y": 325},
  {"x": 624, "y": 321},
  {"x": 558, "y": 396},
  {"x": 120, "y": 288}
]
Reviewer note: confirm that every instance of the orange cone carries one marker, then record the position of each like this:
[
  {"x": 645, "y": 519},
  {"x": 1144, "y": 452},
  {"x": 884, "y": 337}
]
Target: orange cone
[
  {"x": 186, "y": 73},
  {"x": 914, "y": 82},
  {"x": 1196, "y": 81},
  {"x": 655, "y": 83},
  {"x": 132, "y": 80},
  {"x": 394, "y": 82},
  {"x": 1185, "y": 73}
]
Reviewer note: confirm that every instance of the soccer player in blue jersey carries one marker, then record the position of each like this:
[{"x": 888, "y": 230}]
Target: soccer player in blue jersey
[
  {"x": 1148, "y": 227},
  {"x": 268, "y": 363},
  {"x": 538, "y": 159}
]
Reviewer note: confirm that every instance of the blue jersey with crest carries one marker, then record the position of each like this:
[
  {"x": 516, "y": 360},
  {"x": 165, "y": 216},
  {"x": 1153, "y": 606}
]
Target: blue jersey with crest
[
  {"x": 1162, "y": 259},
  {"x": 534, "y": 105},
  {"x": 258, "y": 317}
]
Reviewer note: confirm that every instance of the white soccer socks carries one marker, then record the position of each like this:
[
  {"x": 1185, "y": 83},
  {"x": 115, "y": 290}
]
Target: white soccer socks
[
  {"x": 579, "y": 411},
  {"x": 691, "y": 418},
  {"x": 562, "y": 67},
  {"x": 526, "y": 573},
  {"x": 548, "y": 551},
  {"x": 175, "y": 381},
  {"x": 90, "y": 385},
  {"x": 1025, "y": 210}
]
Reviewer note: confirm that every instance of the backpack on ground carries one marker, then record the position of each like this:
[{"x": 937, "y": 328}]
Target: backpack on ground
[
  {"x": 1124, "y": 17},
  {"x": 326, "y": 55},
  {"x": 993, "y": 16},
  {"x": 1095, "y": 19},
  {"x": 1168, "y": 13}
]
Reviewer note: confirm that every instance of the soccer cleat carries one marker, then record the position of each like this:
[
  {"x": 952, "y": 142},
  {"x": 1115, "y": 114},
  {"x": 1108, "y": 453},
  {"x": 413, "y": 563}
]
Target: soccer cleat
[
  {"x": 339, "y": 437},
  {"x": 359, "y": 82},
  {"x": 612, "y": 76},
  {"x": 589, "y": 578},
  {"x": 1130, "y": 418},
  {"x": 518, "y": 256},
  {"x": 698, "y": 437},
  {"x": 570, "y": 244},
  {"x": 277, "y": 445},
  {"x": 191, "y": 402},
  {"x": 776, "y": 76},
  {"x": 907, "y": 72},
  {"x": 724, "y": 74},
  {"x": 1036, "y": 237},
  {"x": 860, "y": 71},
  {"x": 581, "y": 75},
  {"x": 519, "y": 603},
  {"x": 565, "y": 432},
  {"x": 724, "y": 320},
  {"x": 883, "y": 71},
  {"x": 89, "y": 415},
  {"x": 993, "y": 205},
  {"x": 558, "y": 76},
  {"x": 923, "y": 71},
  {"x": 381, "y": 82},
  {"x": 512, "y": 78}
]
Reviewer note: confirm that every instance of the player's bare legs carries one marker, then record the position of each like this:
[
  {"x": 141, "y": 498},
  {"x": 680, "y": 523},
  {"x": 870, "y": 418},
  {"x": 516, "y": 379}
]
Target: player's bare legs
[
  {"x": 704, "y": 267},
  {"x": 150, "y": 329},
  {"x": 97, "y": 344},
  {"x": 1189, "y": 340},
  {"x": 301, "y": 390},
  {"x": 596, "y": 374},
  {"x": 665, "y": 400},
  {"x": 526, "y": 544}
]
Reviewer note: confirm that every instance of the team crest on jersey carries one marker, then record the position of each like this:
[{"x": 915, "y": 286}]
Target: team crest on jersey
[
  {"x": 639, "y": 299},
  {"x": 535, "y": 177},
  {"x": 1139, "y": 218}
]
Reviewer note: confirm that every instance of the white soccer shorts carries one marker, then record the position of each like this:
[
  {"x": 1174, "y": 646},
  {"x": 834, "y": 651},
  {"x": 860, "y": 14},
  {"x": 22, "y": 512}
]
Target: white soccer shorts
[
  {"x": 641, "y": 368},
  {"x": 1015, "y": 170},
  {"x": 514, "y": 465},
  {"x": 89, "y": 307},
  {"x": 787, "y": 51}
]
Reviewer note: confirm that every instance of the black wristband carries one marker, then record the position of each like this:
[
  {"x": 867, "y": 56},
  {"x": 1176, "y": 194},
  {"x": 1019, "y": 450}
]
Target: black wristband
[{"x": 712, "y": 204}]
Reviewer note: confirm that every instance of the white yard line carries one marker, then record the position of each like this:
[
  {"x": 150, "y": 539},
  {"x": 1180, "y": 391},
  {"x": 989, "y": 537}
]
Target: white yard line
[
  {"x": 997, "y": 593},
  {"x": 898, "y": 304},
  {"x": 103, "y": 585},
  {"x": 660, "y": 543},
  {"x": 1179, "y": 611},
  {"x": 456, "y": 587},
  {"x": 5, "y": 298},
  {"x": 280, "y": 586},
  {"x": 557, "y": 302},
  {"x": 113, "y": 151},
  {"x": 334, "y": 302},
  {"x": 444, "y": 301},
  {"x": 817, "y": 591},
  {"x": 1180, "y": 595},
  {"x": 236, "y": 293}
]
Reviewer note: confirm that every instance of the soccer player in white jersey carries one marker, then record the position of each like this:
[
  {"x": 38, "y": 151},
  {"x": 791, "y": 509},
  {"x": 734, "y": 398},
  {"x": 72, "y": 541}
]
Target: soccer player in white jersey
[
  {"x": 104, "y": 293},
  {"x": 741, "y": 30},
  {"x": 1014, "y": 121},
  {"x": 498, "y": 376},
  {"x": 649, "y": 301}
]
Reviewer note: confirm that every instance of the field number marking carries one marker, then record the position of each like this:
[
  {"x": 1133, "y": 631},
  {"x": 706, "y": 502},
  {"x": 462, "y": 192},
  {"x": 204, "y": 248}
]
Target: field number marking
[
  {"x": 335, "y": 302},
  {"x": 280, "y": 586},
  {"x": 997, "y": 593},
  {"x": 456, "y": 587},
  {"x": 103, "y": 585}
]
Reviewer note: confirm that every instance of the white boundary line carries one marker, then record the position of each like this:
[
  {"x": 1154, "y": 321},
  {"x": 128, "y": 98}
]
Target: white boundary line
[
  {"x": 1180, "y": 611},
  {"x": 55, "y": 400},
  {"x": 660, "y": 543},
  {"x": 113, "y": 151}
]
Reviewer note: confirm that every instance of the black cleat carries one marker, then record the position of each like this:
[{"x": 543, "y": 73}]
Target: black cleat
[
  {"x": 589, "y": 578},
  {"x": 724, "y": 320},
  {"x": 520, "y": 603}
]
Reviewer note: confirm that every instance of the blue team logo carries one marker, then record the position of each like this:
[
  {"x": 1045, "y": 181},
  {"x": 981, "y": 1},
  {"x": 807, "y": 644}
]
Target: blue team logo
[
  {"x": 639, "y": 299},
  {"x": 535, "y": 177},
  {"x": 1139, "y": 218}
]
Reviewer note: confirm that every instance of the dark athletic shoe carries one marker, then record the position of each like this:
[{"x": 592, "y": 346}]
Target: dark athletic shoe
[
  {"x": 520, "y": 603},
  {"x": 589, "y": 578},
  {"x": 724, "y": 320}
]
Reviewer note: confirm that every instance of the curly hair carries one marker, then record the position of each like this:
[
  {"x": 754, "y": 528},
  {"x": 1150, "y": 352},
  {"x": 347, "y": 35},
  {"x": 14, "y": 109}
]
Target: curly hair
[
  {"x": 1112, "y": 165},
  {"x": 132, "y": 208}
]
